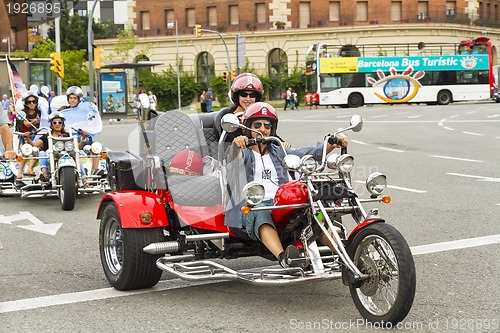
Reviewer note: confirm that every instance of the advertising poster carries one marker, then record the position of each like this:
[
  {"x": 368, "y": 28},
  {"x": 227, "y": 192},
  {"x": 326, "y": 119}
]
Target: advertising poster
[{"x": 113, "y": 93}]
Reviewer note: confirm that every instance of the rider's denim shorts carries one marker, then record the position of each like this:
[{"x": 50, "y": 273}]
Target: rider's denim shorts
[{"x": 252, "y": 221}]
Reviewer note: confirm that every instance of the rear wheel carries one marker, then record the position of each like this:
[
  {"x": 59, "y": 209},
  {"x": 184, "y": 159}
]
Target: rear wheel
[
  {"x": 125, "y": 264},
  {"x": 355, "y": 100},
  {"x": 444, "y": 97},
  {"x": 67, "y": 190},
  {"x": 387, "y": 295}
]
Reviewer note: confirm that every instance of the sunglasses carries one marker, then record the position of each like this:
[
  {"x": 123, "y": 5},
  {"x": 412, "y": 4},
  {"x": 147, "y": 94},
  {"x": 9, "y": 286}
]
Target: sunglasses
[
  {"x": 245, "y": 94},
  {"x": 57, "y": 123},
  {"x": 31, "y": 102},
  {"x": 257, "y": 125}
]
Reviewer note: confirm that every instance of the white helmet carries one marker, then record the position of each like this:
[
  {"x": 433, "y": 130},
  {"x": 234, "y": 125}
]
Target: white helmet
[{"x": 74, "y": 90}]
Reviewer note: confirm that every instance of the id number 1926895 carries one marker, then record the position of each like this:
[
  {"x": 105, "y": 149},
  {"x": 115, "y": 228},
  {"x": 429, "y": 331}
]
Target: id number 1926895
[{"x": 34, "y": 7}]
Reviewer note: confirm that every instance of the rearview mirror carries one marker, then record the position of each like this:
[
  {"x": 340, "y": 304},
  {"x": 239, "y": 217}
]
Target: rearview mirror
[
  {"x": 230, "y": 123},
  {"x": 356, "y": 123}
]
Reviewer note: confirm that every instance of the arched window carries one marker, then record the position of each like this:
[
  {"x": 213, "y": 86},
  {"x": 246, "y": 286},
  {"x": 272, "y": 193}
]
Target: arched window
[
  {"x": 205, "y": 69},
  {"x": 277, "y": 72}
]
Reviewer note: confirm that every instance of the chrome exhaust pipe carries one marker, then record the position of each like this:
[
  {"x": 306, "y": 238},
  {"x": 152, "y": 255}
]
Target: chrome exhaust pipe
[{"x": 175, "y": 246}]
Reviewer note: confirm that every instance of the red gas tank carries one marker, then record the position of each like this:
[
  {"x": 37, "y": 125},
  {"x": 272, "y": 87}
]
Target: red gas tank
[{"x": 289, "y": 193}]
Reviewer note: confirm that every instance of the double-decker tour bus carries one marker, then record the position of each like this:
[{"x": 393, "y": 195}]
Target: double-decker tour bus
[{"x": 354, "y": 75}]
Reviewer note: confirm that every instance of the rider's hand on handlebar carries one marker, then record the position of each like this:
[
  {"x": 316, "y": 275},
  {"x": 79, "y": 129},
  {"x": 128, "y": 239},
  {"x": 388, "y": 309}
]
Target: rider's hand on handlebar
[
  {"x": 10, "y": 155},
  {"x": 241, "y": 141},
  {"x": 339, "y": 141}
]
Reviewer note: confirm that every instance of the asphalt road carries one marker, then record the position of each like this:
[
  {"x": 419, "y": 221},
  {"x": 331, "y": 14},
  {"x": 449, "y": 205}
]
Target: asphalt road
[{"x": 442, "y": 168}]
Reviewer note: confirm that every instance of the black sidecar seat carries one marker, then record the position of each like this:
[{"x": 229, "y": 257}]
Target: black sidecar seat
[
  {"x": 198, "y": 191},
  {"x": 209, "y": 135}
]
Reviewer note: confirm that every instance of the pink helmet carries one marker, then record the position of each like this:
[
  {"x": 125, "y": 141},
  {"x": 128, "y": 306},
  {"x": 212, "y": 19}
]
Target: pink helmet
[
  {"x": 187, "y": 163},
  {"x": 247, "y": 82},
  {"x": 260, "y": 110}
]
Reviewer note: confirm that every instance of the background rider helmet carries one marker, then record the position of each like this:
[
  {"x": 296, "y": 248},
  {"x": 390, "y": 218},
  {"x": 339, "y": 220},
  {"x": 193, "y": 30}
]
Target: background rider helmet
[
  {"x": 260, "y": 110},
  {"x": 28, "y": 94},
  {"x": 76, "y": 91},
  {"x": 56, "y": 115},
  {"x": 246, "y": 82}
]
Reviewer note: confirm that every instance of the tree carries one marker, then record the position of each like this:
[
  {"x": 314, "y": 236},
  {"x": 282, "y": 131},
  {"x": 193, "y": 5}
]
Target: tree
[
  {"x": 75, "y": 69},
  {"x": 125, "y": 47}
]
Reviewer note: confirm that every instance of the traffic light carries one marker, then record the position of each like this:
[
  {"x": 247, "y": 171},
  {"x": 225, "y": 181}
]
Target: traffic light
[
  {"x": 197, "y": 30},
  {"x": 98, "y": 58},
  {"x": 57, "y": 64},
  {"x": 233, "y": 74},
  {"x": 224, "y": 77}
]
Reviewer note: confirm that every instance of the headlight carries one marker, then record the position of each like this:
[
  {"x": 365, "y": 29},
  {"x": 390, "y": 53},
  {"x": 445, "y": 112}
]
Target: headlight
[
  {"x": 87, "y": 149},
  {"x": 69, "y": 146},
  {"x": 376, "y": 183},
  {"x": 26, "y": 149},
  {"x": 308, "y": 164},
  {"x": 253, "y": 193},
  {"x": 345, "y": 163},
  {"x": 292, "y": 162},
  {"x": 96, "y": 148},
  {"x": 35, "y": 151},
  {"x": 59, "y": 146},
  {"x": 331, "y": 161}
]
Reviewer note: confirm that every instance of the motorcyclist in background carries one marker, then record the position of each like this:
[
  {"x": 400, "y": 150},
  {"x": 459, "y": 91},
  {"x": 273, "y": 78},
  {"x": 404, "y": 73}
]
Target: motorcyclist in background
[
  {"x": 35, "y": 117},
  {"x": 264, "y": 163},
  {"x": 74, "y": 96},
  {"x": 6, "y": 135}
]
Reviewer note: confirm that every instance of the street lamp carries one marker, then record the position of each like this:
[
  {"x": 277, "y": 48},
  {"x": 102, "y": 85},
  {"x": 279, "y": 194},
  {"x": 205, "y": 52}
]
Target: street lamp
[
  {"x": 172, "y": 25},
  {"x": 7, "y": 40}
]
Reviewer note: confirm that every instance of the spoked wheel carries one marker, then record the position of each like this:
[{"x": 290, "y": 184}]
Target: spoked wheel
[
  {"x": 125, "y": 264},
  {"x": 67, "y": 190},
  {"x": 387, "y": 295}
]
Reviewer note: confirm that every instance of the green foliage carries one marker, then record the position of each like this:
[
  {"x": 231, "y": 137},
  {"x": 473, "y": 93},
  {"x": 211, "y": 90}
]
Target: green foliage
[
  {"x": 164, "y": 86},
  {"x": 126, "y": 46},
  {"x": 219, "y": 89},
  {"x": 76, "y": 72},
  {"x": 74, "y": 31},
  {"x": 43, "y": 49}
]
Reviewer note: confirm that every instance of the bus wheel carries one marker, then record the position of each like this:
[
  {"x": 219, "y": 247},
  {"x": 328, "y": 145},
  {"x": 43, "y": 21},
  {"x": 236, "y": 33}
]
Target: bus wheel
[
  {"x": 355, "y": 100},
  {"x": 444, "y": 97}
]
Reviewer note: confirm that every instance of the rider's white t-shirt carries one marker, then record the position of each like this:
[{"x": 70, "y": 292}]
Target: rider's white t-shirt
[{"x": 266, "y": 174}]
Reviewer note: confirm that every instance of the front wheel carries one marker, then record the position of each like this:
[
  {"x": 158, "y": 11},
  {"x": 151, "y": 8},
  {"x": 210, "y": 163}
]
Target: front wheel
[
  {"x": 68, "y": 189},
  {"x": 387, "y": 295},
  {"x": 125, "y": 264}
]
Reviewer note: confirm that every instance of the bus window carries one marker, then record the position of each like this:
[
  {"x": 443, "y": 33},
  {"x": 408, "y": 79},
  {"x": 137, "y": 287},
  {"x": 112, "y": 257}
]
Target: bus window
[{"x": 330, "y": 82}]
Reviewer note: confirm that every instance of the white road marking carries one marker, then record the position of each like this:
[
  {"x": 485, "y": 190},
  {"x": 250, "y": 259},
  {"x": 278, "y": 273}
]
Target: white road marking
[
  {"x": 471, "y": 112},
  {"x": 38, "y": 226},
  {"x": 455, "y": 245},
  {"x": 417, "y": 116},
  {"x": 106, "y": 293},
  {"x": 380, "y": 116},
  {"x": 391, "y": 149},
  {"x": 397, "y": 188},
  {"x": 449, "y": 128},
  {"x": 456, "y": 158},
  {"x": 359, "y": 142},
  {"x": 472, "y": 133},
  {"x": 493, "y": 116},
  {"x": 314, "y": 116},
  {"x": 483, "y": 178}
]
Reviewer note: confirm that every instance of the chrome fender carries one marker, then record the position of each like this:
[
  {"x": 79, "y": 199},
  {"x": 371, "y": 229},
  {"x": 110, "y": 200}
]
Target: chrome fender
[{"x": 131, "y": 204}]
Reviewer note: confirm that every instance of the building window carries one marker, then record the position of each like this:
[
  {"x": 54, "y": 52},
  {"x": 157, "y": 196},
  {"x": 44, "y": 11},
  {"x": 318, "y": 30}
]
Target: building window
[
  {"x": 260, "y": 12},
  {"x": 396, "y": 11},
  {"x": 212, "y": 16},
  {"x": 190, "y": 17},
  {"x": 205, "y": 68},
  {"x": 450, "y": 8},
  {"x": 277, "y": 70},
  {"x": 169, "y": 16},
  {"x": 304, "y": 15},
  {"x": 362, "y": 12},
  {"x": 145, "y": 24},
  {"x": 422, "y": 10},
  {"x": 234, "y": 17},
  {"x": 334, "y": 11}
]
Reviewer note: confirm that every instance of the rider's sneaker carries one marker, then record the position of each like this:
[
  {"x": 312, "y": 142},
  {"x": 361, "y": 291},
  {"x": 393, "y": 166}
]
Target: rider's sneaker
[{"x": 291, "y": 252}]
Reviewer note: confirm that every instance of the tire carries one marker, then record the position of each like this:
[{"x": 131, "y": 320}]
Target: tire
[
  {"x": 68, "y": 189},
  {"x": 355, "y": 100},
  {"x": 125, "y": 264},
  {"x": 370, "y": 295},
  {"x": 444, "y": 97}
]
